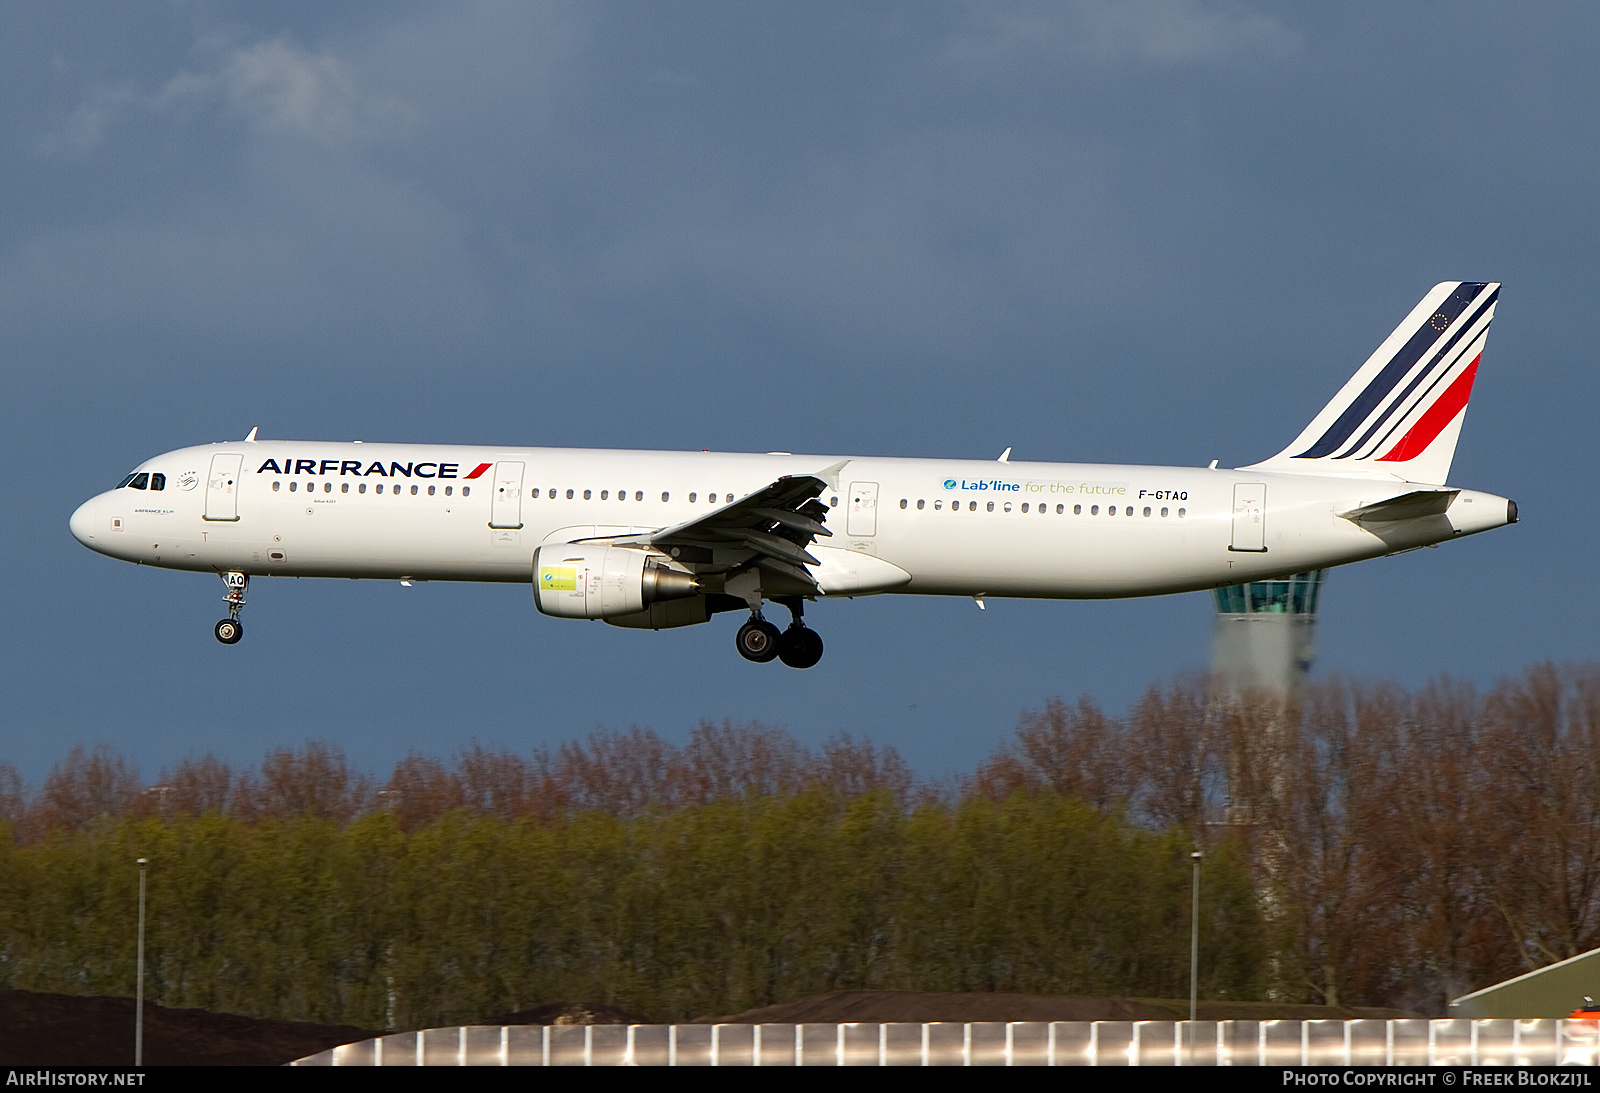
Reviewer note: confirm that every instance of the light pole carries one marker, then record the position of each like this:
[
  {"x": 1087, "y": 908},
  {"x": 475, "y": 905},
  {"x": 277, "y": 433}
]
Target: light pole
[
  {"x": 138, "y": 990},
  {"x": 1194, "y": 950}
]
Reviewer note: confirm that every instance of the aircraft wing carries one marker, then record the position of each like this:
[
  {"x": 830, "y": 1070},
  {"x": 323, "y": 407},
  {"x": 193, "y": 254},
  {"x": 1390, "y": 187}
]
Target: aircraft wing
[{"x": 771, "y": 527}]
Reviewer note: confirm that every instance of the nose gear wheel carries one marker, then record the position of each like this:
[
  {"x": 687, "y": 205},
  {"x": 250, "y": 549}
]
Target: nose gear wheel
[{"x": 230, "y": 629}]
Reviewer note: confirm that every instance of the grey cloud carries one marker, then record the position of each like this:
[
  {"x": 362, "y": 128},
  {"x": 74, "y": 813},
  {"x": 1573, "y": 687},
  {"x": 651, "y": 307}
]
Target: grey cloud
[
  {"x": 1113, "y": 32},
  {"x": 274, "y": 86}
]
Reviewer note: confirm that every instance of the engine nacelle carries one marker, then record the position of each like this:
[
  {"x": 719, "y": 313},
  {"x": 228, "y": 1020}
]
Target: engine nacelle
[{"x": 594, "y": 581}]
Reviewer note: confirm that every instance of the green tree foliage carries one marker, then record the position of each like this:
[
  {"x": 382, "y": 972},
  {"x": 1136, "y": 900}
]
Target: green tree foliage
[{"x": 1371, "y": 846}]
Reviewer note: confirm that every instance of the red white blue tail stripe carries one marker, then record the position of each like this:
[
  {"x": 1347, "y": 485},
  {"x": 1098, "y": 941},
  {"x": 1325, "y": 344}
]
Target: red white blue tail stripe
[{"x": 1400, "y": 414}]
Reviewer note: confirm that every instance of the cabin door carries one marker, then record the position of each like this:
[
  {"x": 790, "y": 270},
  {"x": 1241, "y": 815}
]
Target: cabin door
[
  {"x": 505, "y": 509},
  {"x": 222, "y": 487},
  {"x": 862, "y": 517},
  {"x": 1250, "y": 517}
]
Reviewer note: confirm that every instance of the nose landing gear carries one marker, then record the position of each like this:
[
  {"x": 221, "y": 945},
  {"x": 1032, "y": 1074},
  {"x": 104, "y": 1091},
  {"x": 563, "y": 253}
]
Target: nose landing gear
[{"x": 230, "y": 629}]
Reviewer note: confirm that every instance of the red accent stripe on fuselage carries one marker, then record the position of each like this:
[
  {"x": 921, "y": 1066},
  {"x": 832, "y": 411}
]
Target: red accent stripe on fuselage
[{"x": 479, "y": 469}]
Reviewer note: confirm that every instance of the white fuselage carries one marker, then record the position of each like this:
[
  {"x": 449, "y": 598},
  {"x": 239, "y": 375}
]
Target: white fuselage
[{"x": 953, "y": 527}]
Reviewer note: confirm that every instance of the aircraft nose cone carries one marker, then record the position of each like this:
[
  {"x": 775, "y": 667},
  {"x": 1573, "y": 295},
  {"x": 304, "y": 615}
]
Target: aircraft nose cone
[{"x": 83, "y": 522}]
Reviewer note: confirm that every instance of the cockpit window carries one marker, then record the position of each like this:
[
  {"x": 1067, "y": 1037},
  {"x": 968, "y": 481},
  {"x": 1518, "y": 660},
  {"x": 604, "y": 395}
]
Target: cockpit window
[
  {"x": 158, "y": 481},
  {"x": 126, "y": 480},
  {"x": 140, "y": 481}
]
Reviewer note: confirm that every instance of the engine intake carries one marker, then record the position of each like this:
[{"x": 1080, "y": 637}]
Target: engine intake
[{"x": 593, "y": 581}]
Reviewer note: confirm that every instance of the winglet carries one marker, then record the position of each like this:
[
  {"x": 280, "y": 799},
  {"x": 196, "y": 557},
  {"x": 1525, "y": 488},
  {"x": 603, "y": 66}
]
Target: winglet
[
  {"x": 1005, "y": 456},
  {"x": 251, "y": 439},
  {"x": 830, "y": 474}
]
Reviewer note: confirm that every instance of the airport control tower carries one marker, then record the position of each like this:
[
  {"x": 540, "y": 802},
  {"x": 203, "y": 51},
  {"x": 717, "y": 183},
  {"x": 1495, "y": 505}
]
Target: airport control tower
[{"x": 1265, "y": 634}]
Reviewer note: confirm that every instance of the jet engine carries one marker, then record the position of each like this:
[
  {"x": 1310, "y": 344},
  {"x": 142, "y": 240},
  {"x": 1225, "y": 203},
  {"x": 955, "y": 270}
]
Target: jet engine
[{"x": 595, "y": 581}]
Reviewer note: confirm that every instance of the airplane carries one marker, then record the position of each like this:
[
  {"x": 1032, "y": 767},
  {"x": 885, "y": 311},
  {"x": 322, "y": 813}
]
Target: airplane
[{"x": 660, "y": 539}]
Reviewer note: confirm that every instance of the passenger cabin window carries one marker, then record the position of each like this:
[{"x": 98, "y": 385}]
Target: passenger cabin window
[
  {"x": 362, "y": 488},
  {"x": 920, "y": 503},
  {"x": 588, "y": 495},
  {"x": 295, "y": 485},
  {"x": 691, "y": 499},
  {"x": 275, "y": 486},
  {"x": 638, "y": 495},
  {"x": 605, "y": 495},
  {"x": 430, "y": 491},
  {"x": 466, "y": 491},
  {"x": 665, "y": 496},
  {"x": 344, "y": 487},
  {"x": 904, "y": 503}
]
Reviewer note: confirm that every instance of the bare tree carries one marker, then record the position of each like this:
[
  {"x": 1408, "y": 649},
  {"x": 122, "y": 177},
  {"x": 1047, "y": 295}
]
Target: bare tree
[
  {"x": 83, "y": 786},
  {"x": 1174, "y": 755},
  {"x": 732, "y": 762},
  {"x": 420, "y": 791},
  {"x": 13, "y": 800},
  {"x": 315, "y": 781},
  {"x": 624, "y": 774},
  {"x": 1541, "y": 748},
  {"x": 195, "y": 787},
  {"x": 854, "y": 770}
]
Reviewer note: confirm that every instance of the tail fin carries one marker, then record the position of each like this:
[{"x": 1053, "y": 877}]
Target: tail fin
[{"x": 1400, "y": 414}]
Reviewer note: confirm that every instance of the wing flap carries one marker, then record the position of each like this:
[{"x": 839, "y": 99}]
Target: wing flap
[{"x": 775, "y": 525}]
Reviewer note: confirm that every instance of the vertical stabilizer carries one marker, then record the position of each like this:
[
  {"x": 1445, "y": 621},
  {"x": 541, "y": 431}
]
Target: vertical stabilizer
[{"x": 1400, "y": 414}]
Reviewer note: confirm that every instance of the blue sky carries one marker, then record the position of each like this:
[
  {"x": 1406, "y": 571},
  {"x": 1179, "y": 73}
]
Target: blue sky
[{"x": 1156, "y": 231}]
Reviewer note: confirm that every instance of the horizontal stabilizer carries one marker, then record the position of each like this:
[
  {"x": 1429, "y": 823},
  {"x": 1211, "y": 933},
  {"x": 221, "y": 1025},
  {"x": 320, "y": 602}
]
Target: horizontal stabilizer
[{"x": 1408, "y": 506}]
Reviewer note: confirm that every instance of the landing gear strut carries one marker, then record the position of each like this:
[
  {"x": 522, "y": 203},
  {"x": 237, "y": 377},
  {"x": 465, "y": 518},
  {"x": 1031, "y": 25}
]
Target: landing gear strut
[{"x": 230, "y": 629}]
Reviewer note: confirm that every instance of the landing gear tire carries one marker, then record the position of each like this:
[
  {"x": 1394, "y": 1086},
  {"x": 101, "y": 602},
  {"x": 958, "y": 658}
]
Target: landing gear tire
[
  {"x": 229, "y": 631},
  {"x": 758, "y": 640},
  {"x": 800, "y": 647}
]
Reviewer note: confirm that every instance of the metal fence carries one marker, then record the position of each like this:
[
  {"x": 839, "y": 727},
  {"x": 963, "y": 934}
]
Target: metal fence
[{"x": 1457, "y": 1042}]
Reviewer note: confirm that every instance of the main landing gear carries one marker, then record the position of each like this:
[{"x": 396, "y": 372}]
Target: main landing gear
[
  {"x": 230, "y": 629},
  {"x": 799, "y": 646}
]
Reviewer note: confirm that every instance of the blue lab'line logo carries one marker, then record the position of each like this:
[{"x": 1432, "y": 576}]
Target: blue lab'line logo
[{"x": 949, "y": 483}]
